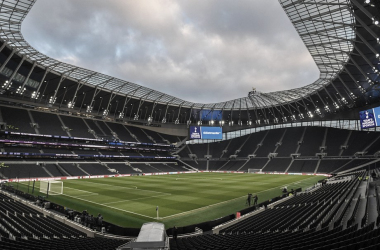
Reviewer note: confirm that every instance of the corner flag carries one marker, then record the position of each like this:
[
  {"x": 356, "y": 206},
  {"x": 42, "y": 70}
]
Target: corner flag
[{"x": 157, "y": 212}]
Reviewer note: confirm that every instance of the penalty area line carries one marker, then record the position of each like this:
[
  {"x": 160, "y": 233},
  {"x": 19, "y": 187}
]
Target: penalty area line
[
  {"x": 100, "y": 204},
  {"x": 134, "y": 187}
]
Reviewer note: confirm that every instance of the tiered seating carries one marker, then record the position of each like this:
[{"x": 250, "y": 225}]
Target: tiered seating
[
  {"x": 303, "y": 166},
  {"x": 54, "y": 170},
  {"x": 95, "y": 169},
  {"x": 92, "y": 124},
  {"x": 48, "y": 124},
  {"x": 62, "y": 244},
  {"x": 24, "y": 171},
  {"x": 18, "y": 119},
  {"x": 77, "y": 126},
  {"x": 141, "y": 136},
  {"x": 289, "y": 142},
  {"x": 232, "y": 165},
  {"x": 277, "y": 164},
  {"x": 198, "y": 149},
  {"x": 22, "y": 227},
  {"x": 256, "y": 163},
  {"x": 306, "y": 221},
  {"x": 358, "y": 141},
  {"x": 312, "y": 140},
  {"x": 251, "y": 143},
  {"x": 334, "y": 140},
  {"x": 269, "y": 144},
  {"x": 350, "y": 238},
  {"x": 121, "y": 132},
  {"x": 72, "y": 169}
]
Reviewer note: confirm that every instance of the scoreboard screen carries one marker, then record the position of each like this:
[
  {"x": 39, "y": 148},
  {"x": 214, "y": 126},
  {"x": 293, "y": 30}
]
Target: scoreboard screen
[
  {"x": 206, "y": 133},
  {"x": 370, "y": 118}
]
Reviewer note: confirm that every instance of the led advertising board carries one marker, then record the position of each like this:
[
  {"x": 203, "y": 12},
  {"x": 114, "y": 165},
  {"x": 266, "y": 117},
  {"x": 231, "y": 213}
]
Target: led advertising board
[
  {"x": 206, "y": 133},
  {"x": 370, "y": 118}
]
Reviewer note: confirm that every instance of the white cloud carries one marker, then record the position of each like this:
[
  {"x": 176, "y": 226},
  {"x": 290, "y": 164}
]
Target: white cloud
[{"x": 201, "y": 51}]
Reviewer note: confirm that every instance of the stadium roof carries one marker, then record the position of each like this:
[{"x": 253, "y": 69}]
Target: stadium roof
[{"x": 341, "y": 35}]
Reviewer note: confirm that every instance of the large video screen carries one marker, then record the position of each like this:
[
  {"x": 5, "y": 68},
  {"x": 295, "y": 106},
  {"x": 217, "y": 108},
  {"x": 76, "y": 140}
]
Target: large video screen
[
  {"x": 206, "y": 133},
  {"x": 370, "y": 118}
]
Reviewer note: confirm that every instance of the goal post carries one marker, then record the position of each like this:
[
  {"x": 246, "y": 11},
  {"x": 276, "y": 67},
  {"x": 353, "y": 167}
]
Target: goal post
[
  {"x": 254, "y": 170},
  {"x": 55, "y": 187}
]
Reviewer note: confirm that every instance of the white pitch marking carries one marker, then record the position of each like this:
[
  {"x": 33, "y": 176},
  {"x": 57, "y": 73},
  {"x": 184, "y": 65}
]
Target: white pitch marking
[
  {"x": 124, "y": 187},
  {"x": 110, "y": 206},
  {"x": 136, "y": 199},
  {"x": 190, "y": 211}
]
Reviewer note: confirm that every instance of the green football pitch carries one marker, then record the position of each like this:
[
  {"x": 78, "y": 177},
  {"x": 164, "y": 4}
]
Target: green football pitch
[{"x": 182, "y": 199}]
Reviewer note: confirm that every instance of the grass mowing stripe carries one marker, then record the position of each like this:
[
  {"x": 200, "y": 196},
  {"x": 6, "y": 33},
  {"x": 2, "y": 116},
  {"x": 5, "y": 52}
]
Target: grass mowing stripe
[
  {"x": 108, "y": 206},
  {"x": 136, "y": 199},
  {"x": 126, "y": 187},
  {"x": 191, "y": 211},
  {"x": 198, "y": 192}
]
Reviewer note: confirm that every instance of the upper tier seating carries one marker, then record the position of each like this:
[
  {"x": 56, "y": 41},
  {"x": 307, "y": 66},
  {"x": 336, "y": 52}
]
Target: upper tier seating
[
  {"x": 48, "y": 124},
  {"x": 18, "y": 118}
]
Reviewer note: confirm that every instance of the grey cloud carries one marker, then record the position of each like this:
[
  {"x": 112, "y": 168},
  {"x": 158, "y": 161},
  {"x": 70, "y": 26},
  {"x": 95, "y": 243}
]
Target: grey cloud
[{"x": 201, "y": 51}]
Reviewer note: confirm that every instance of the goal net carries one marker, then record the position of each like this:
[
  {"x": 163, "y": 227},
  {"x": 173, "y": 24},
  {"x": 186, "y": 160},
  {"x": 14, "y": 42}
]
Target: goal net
[
  {"x": 254, "y": 170},
  {"x": 55, "y": 187}
]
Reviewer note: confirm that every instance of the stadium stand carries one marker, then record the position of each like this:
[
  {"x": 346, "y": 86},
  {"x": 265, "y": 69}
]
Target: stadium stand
[
  {"x": 49, "y": 130},
  {"x": 23, "y": 227},
  {"x": 309, "y": 220}
]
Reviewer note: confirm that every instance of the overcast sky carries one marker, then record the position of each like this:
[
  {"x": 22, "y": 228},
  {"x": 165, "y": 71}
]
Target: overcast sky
[{"x": 197, "y": 50}]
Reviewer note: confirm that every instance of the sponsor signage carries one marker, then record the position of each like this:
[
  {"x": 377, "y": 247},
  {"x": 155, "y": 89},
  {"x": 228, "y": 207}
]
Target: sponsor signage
[
  {"x": 206, "y": 133},
  {"x": 370, "y": 118}
]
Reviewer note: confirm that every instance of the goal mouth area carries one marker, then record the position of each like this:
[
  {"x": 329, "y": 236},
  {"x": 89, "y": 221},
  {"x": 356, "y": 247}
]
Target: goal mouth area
[
  {"x": 254, "y": 170},
  {"x": 51, "y": 187}
]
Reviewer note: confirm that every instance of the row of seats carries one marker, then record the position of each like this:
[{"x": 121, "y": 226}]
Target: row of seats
[{"x": 22, "y": 227}]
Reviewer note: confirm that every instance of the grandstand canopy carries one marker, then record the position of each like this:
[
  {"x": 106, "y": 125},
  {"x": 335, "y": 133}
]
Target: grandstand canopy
[{"x": 342, "y": 37}]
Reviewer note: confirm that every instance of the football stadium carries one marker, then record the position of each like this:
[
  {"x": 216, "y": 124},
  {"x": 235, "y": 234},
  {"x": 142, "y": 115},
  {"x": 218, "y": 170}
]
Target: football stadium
[{"x": 93, "y": 161}]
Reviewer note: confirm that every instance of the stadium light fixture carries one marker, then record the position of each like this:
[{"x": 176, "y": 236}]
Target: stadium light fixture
[
  {"x": 221, "y": 122},
  {"x": 327, "y": 108},
  {"x": 230, "y": 123},
  {"x": 309, "y": 114},
  {"x": 362, "y": 89},
  {"x": 52, "y": 99},
  {"x": 175, "y": 122},
  {"x": 121, "y": 115},
  {"x": 136, "y": 117},
  {"x": 35, "y": 95},
  {"x": 249, "y": 122},
  {"x": 163, "y": 120},
  {"x": 211, "y": 122},
  {"x": 105, "y": 112},
  {"x": 70, "y": 105},
  {"x": 258, "y": 122},
  {"x": 240, "y": 122},
  {"x": 20, "y": 90},
  {"x": 199, "y": 123},
  {"x": 344, "y": 101},
  {"x": 301, "y": 116},
  {"x": 7, "y": 85},
  {"x": 318, "y": 111},
  {"x": 89, "y": 109}
]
